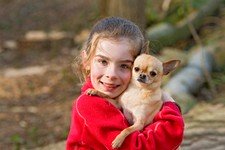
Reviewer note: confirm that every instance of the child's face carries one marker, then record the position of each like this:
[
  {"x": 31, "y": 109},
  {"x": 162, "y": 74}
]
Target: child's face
[{"x": 111, "y": 66}]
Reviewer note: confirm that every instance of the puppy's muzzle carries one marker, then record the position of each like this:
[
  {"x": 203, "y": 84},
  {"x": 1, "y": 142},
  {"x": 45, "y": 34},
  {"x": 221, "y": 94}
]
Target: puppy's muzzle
[{"x": 142, "y": 78}]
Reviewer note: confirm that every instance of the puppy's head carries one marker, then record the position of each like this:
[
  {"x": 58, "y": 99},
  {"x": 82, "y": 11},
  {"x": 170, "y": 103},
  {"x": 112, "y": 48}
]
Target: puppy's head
[{"x": 148, "y": 71}]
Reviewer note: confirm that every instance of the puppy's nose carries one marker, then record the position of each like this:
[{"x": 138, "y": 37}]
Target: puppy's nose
[{"x": 142, "y": 76}]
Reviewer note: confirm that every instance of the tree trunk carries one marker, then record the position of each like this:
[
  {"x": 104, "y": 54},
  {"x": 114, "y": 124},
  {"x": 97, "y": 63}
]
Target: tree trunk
[
  {"x": 103, "y": 7},
  {"x": 133, "y": 10}
]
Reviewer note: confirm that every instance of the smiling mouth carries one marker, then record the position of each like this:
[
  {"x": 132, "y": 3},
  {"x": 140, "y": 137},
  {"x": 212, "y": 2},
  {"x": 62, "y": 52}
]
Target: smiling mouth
[{"x": 108, "y": 85}]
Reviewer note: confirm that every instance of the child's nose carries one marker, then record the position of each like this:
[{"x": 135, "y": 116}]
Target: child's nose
[{"x": 111, "y": 72}]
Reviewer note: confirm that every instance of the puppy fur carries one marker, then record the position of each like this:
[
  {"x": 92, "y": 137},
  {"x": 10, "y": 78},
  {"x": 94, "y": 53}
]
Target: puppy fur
[{"x": 142, "y": 99}]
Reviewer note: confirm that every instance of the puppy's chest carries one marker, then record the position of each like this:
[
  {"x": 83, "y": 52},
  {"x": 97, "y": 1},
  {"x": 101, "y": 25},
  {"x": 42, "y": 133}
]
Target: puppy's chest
[{"x": 134, "y": 97}]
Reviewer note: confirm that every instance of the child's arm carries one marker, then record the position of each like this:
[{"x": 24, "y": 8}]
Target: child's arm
[
  {"x": 96, "y": 123},
  {"x": 166, "y": 132}
]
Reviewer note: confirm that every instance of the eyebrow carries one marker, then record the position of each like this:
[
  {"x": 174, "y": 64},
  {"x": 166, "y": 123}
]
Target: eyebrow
[{"x": 124, "y": 61}]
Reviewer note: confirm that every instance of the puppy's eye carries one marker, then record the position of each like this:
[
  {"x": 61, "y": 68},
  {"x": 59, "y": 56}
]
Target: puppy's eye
[
  {"x": 153, "y": 73},
  {"x": 136, "y": 69}
]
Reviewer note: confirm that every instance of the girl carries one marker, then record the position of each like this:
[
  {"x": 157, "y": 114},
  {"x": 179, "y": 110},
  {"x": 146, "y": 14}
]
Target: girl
[{"x": 106, "y": 63}]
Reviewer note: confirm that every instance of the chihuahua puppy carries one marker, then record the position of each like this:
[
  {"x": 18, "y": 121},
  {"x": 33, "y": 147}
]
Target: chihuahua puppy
[{"x": 142, "y": 99}]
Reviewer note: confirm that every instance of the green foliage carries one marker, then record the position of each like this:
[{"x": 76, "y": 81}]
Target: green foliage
[
  {"x": 181, "y": 8},
  {"x": 16, "y": 140},
  {"x": 196, "y": 4},
  {"x": 178, "y": 10},
  {"x": 219, "y": 77},
  {"x": 151, "y": 13}
]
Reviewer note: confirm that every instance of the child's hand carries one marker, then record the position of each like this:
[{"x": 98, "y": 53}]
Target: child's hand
[{"x": 166, "y": 97}]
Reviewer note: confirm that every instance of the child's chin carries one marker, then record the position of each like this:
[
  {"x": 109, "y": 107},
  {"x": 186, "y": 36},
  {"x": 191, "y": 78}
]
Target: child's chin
[{"x": 111, "y": 95}]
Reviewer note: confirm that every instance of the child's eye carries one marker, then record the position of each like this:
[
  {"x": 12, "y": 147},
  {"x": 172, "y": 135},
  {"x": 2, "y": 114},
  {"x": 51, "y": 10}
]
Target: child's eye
[
  {"x": 125, "y": 66},
  {"x": 103, "y": 62}
]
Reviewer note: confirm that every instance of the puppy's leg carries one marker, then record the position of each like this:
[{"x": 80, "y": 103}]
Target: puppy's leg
[
  {"x": 94, "y": 92},
  {"x": 138, "y": 125}
]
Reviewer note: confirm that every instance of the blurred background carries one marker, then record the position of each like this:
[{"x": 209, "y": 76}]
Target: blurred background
[{"x": 40, "y": 39}]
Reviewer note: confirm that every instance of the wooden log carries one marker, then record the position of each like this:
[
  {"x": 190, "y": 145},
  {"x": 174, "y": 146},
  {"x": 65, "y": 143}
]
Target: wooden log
[
  {"x": 167, "y": 34},
  {"x": 191, "y": 78}
]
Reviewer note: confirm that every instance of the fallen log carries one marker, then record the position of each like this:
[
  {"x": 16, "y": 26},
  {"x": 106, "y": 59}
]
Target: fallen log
[
  {"x": 166, "y": 34},
  {"x": 190, "y": 79}
]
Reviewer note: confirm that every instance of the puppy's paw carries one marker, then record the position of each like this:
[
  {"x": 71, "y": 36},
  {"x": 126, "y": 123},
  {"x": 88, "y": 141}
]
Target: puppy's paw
[
  {"x": 118, "y": 141},
  {"x": 91, "y": 92}
]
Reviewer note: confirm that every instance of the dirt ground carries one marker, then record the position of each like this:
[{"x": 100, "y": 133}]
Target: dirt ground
[{"x": 35, "y": 107}]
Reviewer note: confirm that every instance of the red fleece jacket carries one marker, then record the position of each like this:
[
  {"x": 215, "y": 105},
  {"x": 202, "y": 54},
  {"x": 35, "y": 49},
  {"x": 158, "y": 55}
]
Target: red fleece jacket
[{"x": 95, "y": 123}]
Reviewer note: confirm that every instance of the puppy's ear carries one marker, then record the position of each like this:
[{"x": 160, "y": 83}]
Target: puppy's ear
[{"x": 170, "y": 66}]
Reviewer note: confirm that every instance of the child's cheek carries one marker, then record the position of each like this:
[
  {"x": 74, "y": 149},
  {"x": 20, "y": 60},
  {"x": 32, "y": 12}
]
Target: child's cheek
[{"x": 127, "y": 77}]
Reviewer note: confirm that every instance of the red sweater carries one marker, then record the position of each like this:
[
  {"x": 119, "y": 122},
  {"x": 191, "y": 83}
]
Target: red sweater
[{"x": 95, "y": 123}]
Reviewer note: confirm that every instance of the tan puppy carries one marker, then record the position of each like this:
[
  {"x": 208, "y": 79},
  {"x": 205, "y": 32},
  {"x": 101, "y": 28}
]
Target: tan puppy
[{"x": 142, "y": 99}]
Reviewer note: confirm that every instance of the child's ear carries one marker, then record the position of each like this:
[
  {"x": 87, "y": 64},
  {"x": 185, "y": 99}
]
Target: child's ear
[
  {"x": 170, "y": 66},
  {"x": 83, "y": 54}
]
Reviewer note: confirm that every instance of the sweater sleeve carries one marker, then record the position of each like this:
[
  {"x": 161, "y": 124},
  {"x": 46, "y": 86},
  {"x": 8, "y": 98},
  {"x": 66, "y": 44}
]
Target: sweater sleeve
[
  {"x": 95, "y": 123},
  {"x": 165, "y": 133}
]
